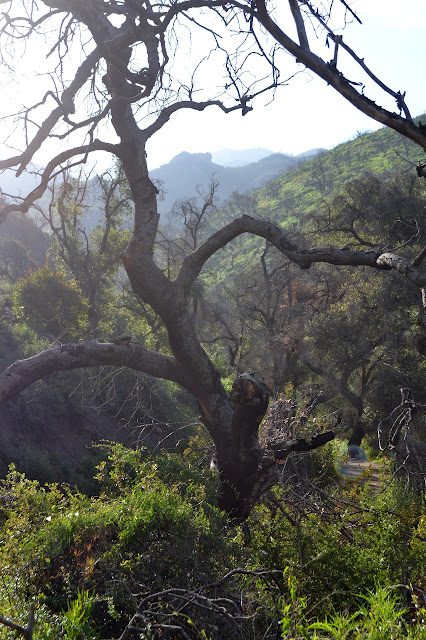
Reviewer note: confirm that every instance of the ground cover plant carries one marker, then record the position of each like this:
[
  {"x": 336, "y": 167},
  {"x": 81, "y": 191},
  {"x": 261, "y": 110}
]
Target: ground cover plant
[{"x": 153, "y": 548}]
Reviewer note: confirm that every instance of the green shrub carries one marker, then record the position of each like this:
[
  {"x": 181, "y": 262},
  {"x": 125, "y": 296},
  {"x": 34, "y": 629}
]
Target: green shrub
[
  {"x": 141, "y": 530},
  {"x": 50, "y": 303},
  {"x": 340, "y": 542},
  {"x": 328, "y": 561}
]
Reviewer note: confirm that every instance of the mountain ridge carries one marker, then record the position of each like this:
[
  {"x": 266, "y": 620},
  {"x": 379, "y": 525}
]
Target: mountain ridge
[{"x": 180, "y": 177}]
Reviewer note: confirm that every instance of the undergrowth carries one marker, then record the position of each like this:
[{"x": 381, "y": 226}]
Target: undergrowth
[{"x": 338, "y": 561}]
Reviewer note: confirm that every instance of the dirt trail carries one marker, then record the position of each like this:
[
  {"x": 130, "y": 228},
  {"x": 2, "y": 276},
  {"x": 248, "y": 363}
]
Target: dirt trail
[{"x": 363, "y": 472}]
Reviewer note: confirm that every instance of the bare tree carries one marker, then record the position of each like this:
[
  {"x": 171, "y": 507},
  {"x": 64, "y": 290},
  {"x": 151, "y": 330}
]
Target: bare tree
[
  {"x": 92, "y": 258},
  {"x": 117, "y": 66}
]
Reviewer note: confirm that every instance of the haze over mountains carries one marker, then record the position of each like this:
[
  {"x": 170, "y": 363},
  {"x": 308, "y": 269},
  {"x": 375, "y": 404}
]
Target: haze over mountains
[
  {"x": 239, "y": 157},
  {"x": 232, "y": 170},
  {"x": 242, "y": 157}
]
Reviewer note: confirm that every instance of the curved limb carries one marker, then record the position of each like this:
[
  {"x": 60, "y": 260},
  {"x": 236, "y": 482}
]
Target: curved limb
[{"x": 22, "y": 373}]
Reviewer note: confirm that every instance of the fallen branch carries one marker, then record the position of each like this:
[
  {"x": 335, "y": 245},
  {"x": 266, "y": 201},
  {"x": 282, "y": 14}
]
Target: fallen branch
[{"x": 27, "y": 631}]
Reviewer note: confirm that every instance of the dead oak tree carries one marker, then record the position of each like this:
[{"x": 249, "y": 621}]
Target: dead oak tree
[{"x": 117, "y": 67}]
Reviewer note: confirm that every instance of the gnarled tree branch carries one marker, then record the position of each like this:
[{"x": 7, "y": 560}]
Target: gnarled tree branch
[
  {"x": 282, "y": 451},
  {"x": 193, "y": 264},
  {"x": 49, "y": 173},
  {"x": 63, "y": 109},
  {"x": 22, "y": 373}
]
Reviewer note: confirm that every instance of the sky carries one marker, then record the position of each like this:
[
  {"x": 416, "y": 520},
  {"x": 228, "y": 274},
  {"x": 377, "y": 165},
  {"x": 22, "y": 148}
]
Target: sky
[{"x": 307, "y": 113}]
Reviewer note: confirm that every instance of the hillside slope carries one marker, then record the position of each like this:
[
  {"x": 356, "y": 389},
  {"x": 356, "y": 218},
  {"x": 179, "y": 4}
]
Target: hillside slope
[
  {"x": 297, "y": 193},
  {"x": 292, "y": 198}
]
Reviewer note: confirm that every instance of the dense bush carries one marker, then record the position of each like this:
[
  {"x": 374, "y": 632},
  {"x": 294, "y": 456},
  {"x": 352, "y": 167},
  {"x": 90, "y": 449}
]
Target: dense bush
[
  {"x": 51, "y": 304},
  {"x": 325, "y": 566},
  {"x": 141, "y": 533}
]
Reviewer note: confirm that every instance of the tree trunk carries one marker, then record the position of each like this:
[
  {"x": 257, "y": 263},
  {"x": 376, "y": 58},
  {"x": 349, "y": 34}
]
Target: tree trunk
[
  {"x": 355, "y": 440},
  {"x": 240, "y": 465},
  {"x": 232, "y": 423}
]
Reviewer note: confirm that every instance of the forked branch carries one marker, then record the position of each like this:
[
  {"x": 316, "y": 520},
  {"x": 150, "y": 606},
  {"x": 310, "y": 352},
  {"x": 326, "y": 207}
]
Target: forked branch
[
  {"x": 51, "y": 171},
  {"x": 342, "y": 85}
]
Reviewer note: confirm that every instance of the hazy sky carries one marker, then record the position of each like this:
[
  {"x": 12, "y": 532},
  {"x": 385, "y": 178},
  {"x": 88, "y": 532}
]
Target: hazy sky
[{"x": 307, "y": 114}]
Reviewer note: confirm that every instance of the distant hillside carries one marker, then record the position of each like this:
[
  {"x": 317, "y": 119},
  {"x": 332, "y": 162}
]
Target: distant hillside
[
  {"x": 251, "y": 168},
  {"x": 288, "y": 186},
  {"x": 297, "y": 193},
  {"x": 22, "y": 228},
  {"x": 180, "y": 177}
]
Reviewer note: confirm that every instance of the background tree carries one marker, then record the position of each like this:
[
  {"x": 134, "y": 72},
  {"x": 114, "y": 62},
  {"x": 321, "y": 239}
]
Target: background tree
[
  {"x": 51, "y": 304},
  {"x": 15, "y": 259},
  {"x": 89, "y": 249},
  {"x": 266, "y": 308}
]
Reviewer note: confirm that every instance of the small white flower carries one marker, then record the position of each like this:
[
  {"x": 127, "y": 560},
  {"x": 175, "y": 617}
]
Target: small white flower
[{"x": 49, "y": 518}]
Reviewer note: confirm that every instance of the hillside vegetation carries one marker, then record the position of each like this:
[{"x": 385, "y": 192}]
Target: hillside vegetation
[{"x": 382, "y": 153}]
